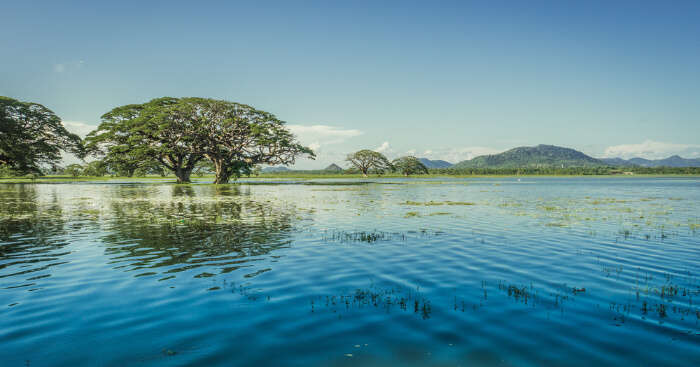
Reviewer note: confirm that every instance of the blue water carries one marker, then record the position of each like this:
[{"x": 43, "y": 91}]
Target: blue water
[{"x": 471, "y": 272}]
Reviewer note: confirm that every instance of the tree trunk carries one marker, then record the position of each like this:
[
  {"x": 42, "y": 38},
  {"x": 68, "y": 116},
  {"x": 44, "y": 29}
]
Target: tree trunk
[
  {"x": 183, "y": 174},
  {"x": 223, "y": 174}
]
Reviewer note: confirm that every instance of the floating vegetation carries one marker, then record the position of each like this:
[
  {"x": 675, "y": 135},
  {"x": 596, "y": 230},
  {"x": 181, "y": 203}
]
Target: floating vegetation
[
  {"x": 411, "y": 214},
  {"x": 375, "y": 236},
  {"x": 436, "y": 203},
  {"x": 375, "y": 298}
]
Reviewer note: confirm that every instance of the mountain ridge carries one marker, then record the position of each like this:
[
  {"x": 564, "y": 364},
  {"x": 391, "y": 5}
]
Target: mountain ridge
[
  {"x": 435, "y": 163},
  {"x": 538, "y": 156}
]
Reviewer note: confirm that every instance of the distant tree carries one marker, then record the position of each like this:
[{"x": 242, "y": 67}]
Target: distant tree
[
  {"x": 368, "y": 160},
  {"x": 74, "y": 170},
  {"x": 7, "y": 171},
  {"x": 31, "y": 135},
  {"x": 409, "y": 166},
  {"x": 203, "y": 167},
  {"x": 95, "y": 168}
]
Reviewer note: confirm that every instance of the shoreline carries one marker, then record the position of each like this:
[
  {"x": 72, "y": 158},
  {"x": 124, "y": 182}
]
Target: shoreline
[{"x": 309, "y": 177}]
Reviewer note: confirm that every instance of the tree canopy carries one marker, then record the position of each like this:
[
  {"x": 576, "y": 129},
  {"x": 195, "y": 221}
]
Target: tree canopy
[
  {"x": 409, "y": 166},
  {"x": 180, "y": 132},
  {"x": 368, "y": 160},
  {"x": 31, "y": 136},
  {"x": 237, "y": 137}
]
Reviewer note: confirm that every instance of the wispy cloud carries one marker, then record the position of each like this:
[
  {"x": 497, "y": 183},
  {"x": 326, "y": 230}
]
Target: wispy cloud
[
  {"x": 321, "y": 139},
  {"x": 319, "y": 135},
  {"x": 650, "y": 149},
  {"x": 68, "y": 66}
]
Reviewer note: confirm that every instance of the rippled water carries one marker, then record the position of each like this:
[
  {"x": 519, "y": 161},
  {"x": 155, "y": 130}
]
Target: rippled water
[{"x": 477, "y": 272}]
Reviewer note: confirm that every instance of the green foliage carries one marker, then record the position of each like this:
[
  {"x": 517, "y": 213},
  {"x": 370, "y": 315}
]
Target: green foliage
[
  {"x": 74, "y": 170},
  {"x": 367, "y": 161},
  {"x": 7, "y": 171},
  {"x": 179, "y": 133},
  {"x": 31, "y": 135},
  {"x": 95, "y": 169},
  {"x": 409, "y": 166},
  {"x": 236, "y": 137}
]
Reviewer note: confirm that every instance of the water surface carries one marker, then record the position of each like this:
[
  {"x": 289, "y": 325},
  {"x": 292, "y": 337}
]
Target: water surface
[{"x": 472, "y": 272}]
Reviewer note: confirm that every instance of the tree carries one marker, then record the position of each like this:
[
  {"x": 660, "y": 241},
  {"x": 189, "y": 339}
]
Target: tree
[
  {"x": 135, "y": 134},
  {"x": 367, "y": 160},
  {"x": 95, "y": 168},
  {"x": 31, "y": 135},
  {"x": 113, "y": 143},
  {"x": 237, "y": 137},
  {"x": 74, "y": 170},
  {"x": 180, "y": 132},
  {"x": 409, "y": 166}
]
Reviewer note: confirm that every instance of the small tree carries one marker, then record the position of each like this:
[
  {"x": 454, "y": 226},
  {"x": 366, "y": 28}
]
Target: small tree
[
  {"x": 7, "y": 171},
  {"x": 368, "y": 160},
  {"x": 74, "y": 170},
  {"x": 409, "y": 166},
  {"x": 95, "y": 169}
]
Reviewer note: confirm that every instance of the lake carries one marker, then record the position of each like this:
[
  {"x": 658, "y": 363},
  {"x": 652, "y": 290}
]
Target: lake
[{"x": 405, "y": 272}]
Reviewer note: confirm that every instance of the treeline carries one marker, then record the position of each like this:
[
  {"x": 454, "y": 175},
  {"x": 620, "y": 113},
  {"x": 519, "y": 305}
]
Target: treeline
[{"x": 572, "y": 171}]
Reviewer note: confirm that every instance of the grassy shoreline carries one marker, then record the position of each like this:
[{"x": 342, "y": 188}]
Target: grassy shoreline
[{"x": 305, "y": 177}]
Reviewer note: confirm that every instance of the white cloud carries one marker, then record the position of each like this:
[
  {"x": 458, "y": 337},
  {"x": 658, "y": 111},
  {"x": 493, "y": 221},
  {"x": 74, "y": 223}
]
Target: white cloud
[
  {"x": 455, "y": 155},
  {"x": 383, "y": 148},
  {"x": 650, "y": 149},
  {"x": 321, "y": 139},
  {"x": 78, "y": 127},
  {"x": 323, "y": 134}
]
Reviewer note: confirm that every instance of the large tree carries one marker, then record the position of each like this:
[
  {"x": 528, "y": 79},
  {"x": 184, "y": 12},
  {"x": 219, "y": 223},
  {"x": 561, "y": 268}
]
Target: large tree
[
  {"x": 368, "y": 160},
  {"x": 132, "y": 135},
  {"x": 237, "y": 137},
  {"x": 32, "y": 136},
  {"x": 180, "y": 132},
  {"x": 409, "y": 165}
]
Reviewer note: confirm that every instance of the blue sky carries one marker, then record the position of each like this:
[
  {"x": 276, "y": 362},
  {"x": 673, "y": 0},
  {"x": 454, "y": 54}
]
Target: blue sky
[{"x": 444, "y": 80}]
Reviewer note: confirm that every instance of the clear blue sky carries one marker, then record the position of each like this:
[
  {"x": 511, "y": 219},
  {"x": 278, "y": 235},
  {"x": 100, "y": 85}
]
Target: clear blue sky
[{"x": 438, "y": 79}]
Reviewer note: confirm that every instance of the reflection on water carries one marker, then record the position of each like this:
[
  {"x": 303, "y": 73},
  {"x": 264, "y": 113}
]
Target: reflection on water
[
  {"x": 31, "y": 239},
  {"x": 471, "y": 272},
  {"x": 145, "y": 229},
  {"x": 186, "y": 231}
]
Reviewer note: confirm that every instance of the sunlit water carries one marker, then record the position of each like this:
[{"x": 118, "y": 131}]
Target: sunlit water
[{"x": 471, "y": 272}]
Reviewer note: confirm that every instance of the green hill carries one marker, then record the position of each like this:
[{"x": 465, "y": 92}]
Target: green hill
[{"x": 532, "y": 157}]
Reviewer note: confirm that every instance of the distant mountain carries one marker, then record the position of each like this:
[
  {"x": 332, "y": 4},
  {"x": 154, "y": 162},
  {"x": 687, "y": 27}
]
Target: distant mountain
[
  {"x": 672, "y": 161},
  {"x": 437, "y": 163},
  {"x": 616, "y": 162},
  {"x": 275, "y": 169},
  {"x": 539, "y": 156},
  {"x": 333, "y": 167}
]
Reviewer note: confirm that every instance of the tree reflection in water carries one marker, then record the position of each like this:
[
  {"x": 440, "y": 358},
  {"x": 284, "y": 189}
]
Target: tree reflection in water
[
  {"x": 219, "y": 228},
  {"x": 30, "y": 236}
]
